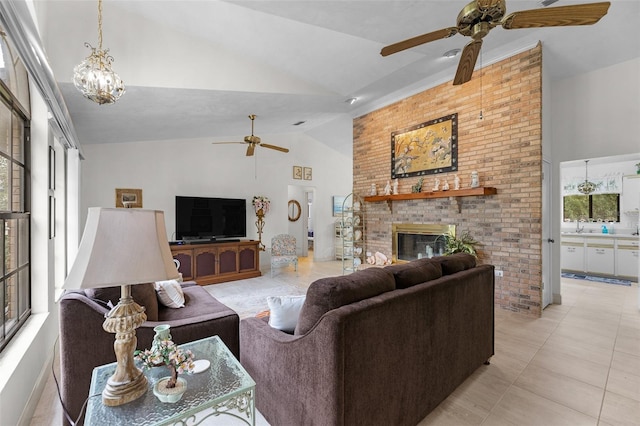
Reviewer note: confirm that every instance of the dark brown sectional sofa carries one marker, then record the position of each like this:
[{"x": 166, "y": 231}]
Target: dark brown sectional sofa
[{"x": 382, "y": 346}]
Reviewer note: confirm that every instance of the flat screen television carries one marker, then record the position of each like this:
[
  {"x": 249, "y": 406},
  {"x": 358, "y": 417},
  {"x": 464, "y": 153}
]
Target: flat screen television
[{"x": 199, "y": 218}]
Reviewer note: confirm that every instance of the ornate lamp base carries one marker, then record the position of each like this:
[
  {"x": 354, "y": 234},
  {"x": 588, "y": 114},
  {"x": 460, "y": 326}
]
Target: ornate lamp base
[{"x": 127, "y": 383}]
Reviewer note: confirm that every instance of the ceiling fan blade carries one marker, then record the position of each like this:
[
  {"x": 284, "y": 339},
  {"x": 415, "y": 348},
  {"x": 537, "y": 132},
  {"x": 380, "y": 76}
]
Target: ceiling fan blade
[
  {"x": 277, "y": 148},
  {"x": 580, "y": 14},
  {"x": 219, "y": 143},
  {"x": 250, "y": 149},
  {"x": 468, "y": 60},
  {"x": 416, "y": 41}
]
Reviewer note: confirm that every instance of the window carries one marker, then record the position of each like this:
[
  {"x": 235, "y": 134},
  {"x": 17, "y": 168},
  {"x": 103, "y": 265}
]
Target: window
[
  {"x": 592, "y": 208},
  {"x": 15, "y": 233}
]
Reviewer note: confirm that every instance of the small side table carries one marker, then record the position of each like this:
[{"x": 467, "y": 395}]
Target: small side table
[{"x": 225, "y": 388}]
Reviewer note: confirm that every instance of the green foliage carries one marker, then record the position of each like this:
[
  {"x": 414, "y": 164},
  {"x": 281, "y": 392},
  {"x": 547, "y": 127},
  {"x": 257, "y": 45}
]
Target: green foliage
[{"x": 465, "y": 243}]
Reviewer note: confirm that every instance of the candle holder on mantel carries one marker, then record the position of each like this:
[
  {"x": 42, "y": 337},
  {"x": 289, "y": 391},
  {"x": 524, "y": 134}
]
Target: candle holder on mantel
[{"x": 261, "y": 206}]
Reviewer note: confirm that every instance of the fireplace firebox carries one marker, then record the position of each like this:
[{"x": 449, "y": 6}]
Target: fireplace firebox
[{"x": 413, "y": 241}]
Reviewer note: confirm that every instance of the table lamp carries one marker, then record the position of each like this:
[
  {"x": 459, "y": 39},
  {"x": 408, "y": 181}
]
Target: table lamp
[{"x": 123, "y": 247}]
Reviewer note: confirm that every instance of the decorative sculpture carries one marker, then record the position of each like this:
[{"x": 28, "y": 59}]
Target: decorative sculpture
[
  {"x": 456, "y": 182},
  {"x": 436, "y": 186},
  {"x": 387, "y": 189},
  {"x": 475, "y": 180},
  {"x": 395, "y": 187}
]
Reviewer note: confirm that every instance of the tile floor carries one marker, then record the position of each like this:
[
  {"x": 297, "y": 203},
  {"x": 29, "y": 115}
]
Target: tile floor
[{"x": 577, "y": 365}]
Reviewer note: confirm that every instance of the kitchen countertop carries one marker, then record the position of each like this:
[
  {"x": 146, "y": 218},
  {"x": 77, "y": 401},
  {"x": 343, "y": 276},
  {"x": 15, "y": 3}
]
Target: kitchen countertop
[{"x": 597, "y": 234}]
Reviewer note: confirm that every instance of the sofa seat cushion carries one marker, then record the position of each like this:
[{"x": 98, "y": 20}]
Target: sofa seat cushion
[
  {"x": 415, "y": 272},
  {"x": 142, "y": 294},
  {"x": 455, "y": 262},
  {"x": 330, "y": 293},
  {"x": 199, "y": 303}
]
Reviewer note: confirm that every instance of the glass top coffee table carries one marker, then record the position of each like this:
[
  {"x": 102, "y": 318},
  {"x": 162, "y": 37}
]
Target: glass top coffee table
[{"x": 225, "y": 388}]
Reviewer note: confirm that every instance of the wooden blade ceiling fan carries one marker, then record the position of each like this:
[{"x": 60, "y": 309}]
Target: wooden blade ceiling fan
[
  {"x": 254, "y": 141},
  {"x": 479, "y": 17}
]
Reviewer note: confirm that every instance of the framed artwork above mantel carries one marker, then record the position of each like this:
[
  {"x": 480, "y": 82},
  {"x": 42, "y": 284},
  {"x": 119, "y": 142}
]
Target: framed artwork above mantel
[{"x": 427, "y": 148}]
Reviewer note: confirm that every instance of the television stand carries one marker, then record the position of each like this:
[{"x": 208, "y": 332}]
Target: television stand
[{"x": 212, "y": 262}]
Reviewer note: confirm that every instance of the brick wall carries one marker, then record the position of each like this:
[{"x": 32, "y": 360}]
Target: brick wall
[{"x": 505, "y": 147}]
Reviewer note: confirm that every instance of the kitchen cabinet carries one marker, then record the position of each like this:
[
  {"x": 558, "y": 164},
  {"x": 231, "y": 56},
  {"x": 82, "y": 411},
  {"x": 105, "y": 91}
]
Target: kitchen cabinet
[
  {"x": 627, "y": 258},
  {"x": 572, "y": 254},
  {"x": 601, "y": 255}
]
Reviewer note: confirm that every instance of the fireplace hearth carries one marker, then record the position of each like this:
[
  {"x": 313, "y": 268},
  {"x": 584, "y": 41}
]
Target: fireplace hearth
[{"x": 413, "y": 241}]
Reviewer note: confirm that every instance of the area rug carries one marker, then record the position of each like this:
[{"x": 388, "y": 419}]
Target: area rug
[{"x": 596, "y": 279}]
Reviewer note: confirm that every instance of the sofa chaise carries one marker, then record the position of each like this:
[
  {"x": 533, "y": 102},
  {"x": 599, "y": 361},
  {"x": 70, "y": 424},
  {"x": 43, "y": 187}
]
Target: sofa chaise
[{"x": 382, "y": 346}]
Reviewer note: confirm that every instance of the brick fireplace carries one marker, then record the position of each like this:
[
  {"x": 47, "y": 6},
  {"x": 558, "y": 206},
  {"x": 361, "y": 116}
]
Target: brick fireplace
[{"x": 505, "y": 147}]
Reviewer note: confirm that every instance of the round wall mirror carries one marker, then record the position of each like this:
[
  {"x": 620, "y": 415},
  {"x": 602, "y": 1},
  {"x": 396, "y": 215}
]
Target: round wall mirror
[{"x": 294, "y": 210}]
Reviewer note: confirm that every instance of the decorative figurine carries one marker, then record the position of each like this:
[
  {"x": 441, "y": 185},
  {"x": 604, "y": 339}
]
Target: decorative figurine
[
  {"x": 374, "y": 190},
  {"x": 387, "y": 189},
  {"x": 475, "y": 180},
  {"x": 436, "y": 186},
  {"x": 456, "y": 182},
  {"x": 418, "y": 186},
  {"x": 445, "y": 185},
  {"x": 395, "y": 187}
]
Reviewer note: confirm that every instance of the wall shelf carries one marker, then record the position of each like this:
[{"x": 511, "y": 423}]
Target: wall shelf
[{"x": 451, "y": 194}]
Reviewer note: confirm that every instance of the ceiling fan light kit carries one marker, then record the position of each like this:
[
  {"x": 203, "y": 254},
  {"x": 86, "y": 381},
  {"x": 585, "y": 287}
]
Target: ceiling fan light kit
[
  {"x": 94, "y": 77},
  {"x": 479, "y": 17}
]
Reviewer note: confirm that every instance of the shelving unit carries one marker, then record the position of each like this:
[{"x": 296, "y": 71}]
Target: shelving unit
[{"x": 352, "y": 233}]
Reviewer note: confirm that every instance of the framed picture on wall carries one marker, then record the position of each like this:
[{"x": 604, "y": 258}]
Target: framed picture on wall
[
  {"x": 307, "y": 173},
  {"x": 338, "y": 200},
  {"x": 129, "y": 198},
  {"x": 426, "y": 148},
  {"x": 297, "y": 172}
]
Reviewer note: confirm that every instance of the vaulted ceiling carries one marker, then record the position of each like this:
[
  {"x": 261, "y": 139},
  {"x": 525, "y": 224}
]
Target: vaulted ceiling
[{"x": 196, "y": 69}]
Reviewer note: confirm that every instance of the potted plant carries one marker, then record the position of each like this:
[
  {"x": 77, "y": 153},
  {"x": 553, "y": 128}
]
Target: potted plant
[
  {"x": 167, "y": 353},
  {"x": 638, "y": 168},
  {"x": 465, "y": 243}
]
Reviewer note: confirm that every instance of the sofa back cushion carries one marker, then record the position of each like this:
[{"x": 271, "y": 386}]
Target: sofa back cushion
[
  {"x": 330, "y": 293},
  {"x": 143, "y": 295},
  {"x": 415, "y": 272},
  {"x": 455, "y": 263}
]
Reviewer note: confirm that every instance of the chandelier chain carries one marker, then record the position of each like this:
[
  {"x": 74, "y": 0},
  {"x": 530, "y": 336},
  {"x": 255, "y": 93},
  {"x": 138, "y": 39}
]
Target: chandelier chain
[{"x": 99, "y": 24}]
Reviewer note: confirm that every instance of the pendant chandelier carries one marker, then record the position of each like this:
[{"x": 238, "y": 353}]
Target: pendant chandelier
[
  {"x": 586, "y": 187},
  {"x": 94, "y": 77}
]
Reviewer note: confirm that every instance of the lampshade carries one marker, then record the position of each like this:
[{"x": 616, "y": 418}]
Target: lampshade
[{"x": 122, "y": 246}]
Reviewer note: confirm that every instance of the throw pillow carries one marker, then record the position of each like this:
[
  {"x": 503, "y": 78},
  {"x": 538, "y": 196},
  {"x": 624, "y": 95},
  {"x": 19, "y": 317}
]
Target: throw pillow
[
  {"x": 285, "y": 311},
  {"x": 170, "y": 293},
  {"x": 142, "y": 294}
]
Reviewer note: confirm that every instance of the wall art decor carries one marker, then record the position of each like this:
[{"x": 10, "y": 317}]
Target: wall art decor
[
  {"x": 308, "y": 173},
  {"x": 337, "y": 202},
  {"x": 129, "y": 198},
  {"x": 426, "y": 148},
  {"x": 297, "y": 172}
]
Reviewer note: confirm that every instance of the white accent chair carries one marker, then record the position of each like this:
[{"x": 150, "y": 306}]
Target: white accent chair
[{"x": 283, "y": 252}]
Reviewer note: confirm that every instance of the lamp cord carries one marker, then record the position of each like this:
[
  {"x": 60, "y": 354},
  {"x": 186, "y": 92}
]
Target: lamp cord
[{"x": 64, "y": 409}]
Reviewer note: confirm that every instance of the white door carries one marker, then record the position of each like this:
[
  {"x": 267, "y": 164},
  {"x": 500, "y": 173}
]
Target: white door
[{"x": 547, "y": 240}]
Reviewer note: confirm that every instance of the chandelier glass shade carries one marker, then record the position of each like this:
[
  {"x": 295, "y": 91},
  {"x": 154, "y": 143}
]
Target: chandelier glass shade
[
  {"x": 94, "y": 77},
  {"x": 586, "y": 187}
]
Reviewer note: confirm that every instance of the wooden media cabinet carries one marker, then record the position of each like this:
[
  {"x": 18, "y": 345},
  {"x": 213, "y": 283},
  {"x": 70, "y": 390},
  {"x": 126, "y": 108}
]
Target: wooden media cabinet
[{"x": 218, "y": 262}]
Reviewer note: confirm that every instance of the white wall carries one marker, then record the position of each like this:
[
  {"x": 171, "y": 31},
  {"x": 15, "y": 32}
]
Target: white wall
[
  {"x": 164, "y": 169},
  {"x": 592, "y": 115}
]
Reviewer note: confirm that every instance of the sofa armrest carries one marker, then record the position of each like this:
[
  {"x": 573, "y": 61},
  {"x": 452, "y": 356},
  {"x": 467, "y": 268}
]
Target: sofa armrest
[{"x": 296, "y": 376}]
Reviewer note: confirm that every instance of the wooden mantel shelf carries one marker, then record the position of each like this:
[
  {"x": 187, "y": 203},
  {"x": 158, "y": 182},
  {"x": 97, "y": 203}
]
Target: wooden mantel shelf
[
  {"x": 469, "y": 192},
  {"x": 453, "y": 194}
]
